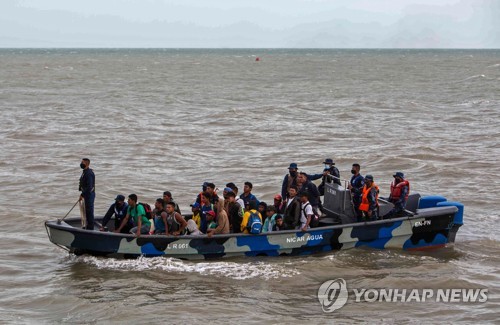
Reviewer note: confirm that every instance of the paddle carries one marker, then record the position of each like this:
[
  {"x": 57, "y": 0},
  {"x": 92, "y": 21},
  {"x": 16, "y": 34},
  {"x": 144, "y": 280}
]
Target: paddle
[{"x": 74, "y": 205}]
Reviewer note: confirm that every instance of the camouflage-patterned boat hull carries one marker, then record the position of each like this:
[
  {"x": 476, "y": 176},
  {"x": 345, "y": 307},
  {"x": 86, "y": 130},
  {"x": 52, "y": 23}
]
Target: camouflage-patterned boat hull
[{"x": 431, "y": 228}]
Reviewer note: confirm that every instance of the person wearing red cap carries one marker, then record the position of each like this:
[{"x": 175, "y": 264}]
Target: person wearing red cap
[
  {"x": 278, "y": 204},
  {"x": 222, "y": 223}
]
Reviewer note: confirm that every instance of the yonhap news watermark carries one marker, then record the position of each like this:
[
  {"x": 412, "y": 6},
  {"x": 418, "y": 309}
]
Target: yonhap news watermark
[{"x": 334, "y": 294}]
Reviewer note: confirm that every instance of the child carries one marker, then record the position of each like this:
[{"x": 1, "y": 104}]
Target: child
[
  {"x": 279, "y": 223},
  {"x": 270, "y": 220}
]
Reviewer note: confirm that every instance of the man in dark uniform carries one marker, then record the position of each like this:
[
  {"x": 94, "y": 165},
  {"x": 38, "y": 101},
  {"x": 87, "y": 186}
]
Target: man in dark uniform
[
  {"x": 356, "y": 186},
  {"x": 329, "y": 169},
  {"x": 119, "y": 210},
  {"x": 87, "y": 187},
  {"x": 332, "y": 170}
]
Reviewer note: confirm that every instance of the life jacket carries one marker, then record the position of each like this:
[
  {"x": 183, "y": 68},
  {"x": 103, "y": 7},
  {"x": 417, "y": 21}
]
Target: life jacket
[
  {"x": 397, "y": 188},
  {"x": 365, "y": 204}
]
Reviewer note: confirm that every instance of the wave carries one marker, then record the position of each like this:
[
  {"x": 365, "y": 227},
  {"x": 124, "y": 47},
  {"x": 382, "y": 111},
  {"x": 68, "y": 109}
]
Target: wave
[{"x": 233, "y": 270}]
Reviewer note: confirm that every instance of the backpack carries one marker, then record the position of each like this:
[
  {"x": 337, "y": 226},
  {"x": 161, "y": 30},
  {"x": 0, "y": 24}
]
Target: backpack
[
  {"x": 254, "y": 224},
  {"x": 147, "y": 209},
  {"x": 314, "y": 218}
]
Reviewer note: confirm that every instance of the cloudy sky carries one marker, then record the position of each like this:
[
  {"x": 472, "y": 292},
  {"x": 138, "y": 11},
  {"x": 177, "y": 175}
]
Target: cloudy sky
[{"x": 251, "y": 23}]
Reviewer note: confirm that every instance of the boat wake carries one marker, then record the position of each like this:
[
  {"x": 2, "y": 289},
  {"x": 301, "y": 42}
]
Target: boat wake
[{"x": 233, "y": 270}]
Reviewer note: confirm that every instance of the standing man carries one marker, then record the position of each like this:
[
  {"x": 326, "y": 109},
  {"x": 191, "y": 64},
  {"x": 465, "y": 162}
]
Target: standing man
[
  {"x": 235, "y": 212},
  {"x": 334, "y": 171},
  {"x": 305, "y": 185},
  {"x": 328, "y": 169},
  {"x": 247, "y": 195},
  {"x": 289, "y": 180},
  {"x": 87, "y": 188},
  {"x": 306, "y": 212},
  {"x": 369, "y": 200},
  {"x": 356, "y": 187},
  {"x": 291, "y": 215}
]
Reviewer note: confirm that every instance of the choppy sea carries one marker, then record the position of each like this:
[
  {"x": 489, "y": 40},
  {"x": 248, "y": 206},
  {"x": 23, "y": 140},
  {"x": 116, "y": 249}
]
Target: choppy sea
[{"x": 155, "y": 120}]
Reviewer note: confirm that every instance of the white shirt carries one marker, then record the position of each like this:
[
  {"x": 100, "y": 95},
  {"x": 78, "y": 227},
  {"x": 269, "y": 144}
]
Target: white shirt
[
  {"x": 241, "y": 202},
  {"x": 307, "y": 208}
]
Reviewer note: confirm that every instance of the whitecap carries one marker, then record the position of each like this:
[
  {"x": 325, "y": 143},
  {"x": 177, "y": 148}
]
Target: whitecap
[{"x": 229, "y": 269}]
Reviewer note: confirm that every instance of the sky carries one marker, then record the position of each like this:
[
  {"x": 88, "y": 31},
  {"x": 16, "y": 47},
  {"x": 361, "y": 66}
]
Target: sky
[{"x": 250, "y": 23}]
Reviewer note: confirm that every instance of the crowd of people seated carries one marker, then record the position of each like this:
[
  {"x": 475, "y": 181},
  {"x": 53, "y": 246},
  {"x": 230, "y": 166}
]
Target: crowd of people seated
[{"x": 298, "y": 207}]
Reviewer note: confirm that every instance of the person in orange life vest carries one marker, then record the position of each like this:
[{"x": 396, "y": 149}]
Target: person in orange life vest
[
  {"x": 369, "y": 197},
  {"x": 400, "y": 189}
]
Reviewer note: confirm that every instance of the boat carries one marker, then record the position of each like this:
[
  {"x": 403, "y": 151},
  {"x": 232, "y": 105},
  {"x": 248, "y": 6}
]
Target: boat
[{"x": 430, "y": 222}]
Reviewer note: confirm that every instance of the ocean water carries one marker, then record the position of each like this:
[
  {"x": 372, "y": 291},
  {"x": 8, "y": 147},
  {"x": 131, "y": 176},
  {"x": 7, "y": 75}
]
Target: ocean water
[{"x": 155, "y": 120}]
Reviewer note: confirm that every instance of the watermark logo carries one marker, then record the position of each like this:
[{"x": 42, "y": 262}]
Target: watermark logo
[{"x": 333, "y": 295}]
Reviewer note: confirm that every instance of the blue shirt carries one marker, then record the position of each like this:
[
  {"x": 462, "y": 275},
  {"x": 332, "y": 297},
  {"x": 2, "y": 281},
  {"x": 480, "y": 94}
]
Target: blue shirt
[
  {"x": 87, "y": 182},
  {"x": 118, "y": 212},
  {"x": 357, "y": 183},
  {"x": 249, "y": 198},
  {"x": 158, "y": 221}
]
